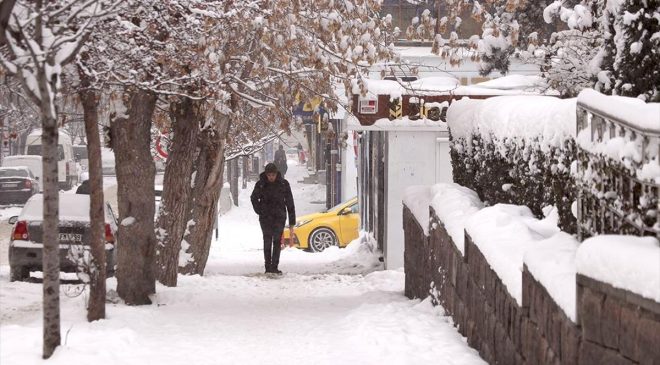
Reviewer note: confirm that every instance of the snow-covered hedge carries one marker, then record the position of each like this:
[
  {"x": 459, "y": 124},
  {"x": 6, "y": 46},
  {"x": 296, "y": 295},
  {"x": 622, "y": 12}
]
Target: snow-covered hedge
[{"x": 516, "y": 150}]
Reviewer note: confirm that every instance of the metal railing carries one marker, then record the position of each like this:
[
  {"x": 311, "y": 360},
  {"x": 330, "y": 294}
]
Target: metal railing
[{"x": 612, "y": 198}]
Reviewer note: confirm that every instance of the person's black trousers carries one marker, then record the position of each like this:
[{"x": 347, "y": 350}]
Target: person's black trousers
[{"x": 272, "y": 232}]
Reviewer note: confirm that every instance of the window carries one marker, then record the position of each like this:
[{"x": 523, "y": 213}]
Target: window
[
  {"x": 35, "y": 150},
  {"x": 13, "y": 173},
  {"x": 355, "y": 209},
  {"x": 80, "y": 152}
]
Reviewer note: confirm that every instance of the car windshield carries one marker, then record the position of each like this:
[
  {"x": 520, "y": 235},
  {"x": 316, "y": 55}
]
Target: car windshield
[
  {"x": 337, "y": 207},
  {"x": 13, "y": 173},
  {"x": 35, "y": 150}
]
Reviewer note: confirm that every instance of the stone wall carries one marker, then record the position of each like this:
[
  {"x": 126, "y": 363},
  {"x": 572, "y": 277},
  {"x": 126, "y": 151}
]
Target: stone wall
[{"x": 618, "y": 327}]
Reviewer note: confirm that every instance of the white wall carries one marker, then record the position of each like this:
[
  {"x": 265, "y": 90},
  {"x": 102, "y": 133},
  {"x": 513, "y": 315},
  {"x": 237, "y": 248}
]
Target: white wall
[
  {"x": 412, "y": 160},
  {"x": 348, "y": 169}
]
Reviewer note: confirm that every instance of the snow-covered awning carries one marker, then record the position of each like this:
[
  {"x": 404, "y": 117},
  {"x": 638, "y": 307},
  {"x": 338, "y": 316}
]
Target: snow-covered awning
[{"x": 401, "y": 125}]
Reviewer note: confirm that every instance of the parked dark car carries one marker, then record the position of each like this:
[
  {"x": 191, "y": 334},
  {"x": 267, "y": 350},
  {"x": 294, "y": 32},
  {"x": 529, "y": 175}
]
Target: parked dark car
[
  {"x": 26, "y": 245},
  {"x": 17, "y": 185}
]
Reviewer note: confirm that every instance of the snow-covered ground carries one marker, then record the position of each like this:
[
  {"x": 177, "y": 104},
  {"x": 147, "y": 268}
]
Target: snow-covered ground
[{"x": 335, "y": 307}]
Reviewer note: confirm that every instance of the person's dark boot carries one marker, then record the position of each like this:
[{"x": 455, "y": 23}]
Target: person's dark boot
[
  {"x": 268, "y": 269},
  {"x": 275, "y": 270}
]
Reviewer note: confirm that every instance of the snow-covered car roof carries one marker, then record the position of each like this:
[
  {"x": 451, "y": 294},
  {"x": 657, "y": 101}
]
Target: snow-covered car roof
[
  {"x": 14, "y": 168},
  {"x": 23, "y": 157},
  {"x": 73, "y": 207}
]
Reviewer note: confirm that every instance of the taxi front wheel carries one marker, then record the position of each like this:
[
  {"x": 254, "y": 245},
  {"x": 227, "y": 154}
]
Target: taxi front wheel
[{"x": 321, "y": 239}]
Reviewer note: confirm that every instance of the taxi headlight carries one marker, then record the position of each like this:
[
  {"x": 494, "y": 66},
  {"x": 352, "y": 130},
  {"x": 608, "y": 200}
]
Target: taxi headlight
[{"x": 302, "y": 222}]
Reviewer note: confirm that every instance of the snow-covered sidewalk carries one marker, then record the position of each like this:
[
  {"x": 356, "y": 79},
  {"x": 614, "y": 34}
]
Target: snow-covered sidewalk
[{"x": 335, "y": 307}]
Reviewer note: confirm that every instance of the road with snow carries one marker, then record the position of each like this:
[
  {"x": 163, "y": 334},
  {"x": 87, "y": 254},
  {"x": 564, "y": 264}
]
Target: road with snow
[{"x": 336, "y": 307}]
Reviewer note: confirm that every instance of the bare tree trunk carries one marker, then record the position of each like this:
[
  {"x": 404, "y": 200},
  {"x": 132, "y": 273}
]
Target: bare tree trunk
[
  {"x": 244, "y": 175},
  {"x": 97, "y": 274},
  {"x": 233, "y": 182},
  {"x": 206, "y": 193},
  {"x": 6, "y": 8},
  {"x": 134, "y": 165},
  {"x": 51, "y": 250},
  {"x": 174, "y": 207}
]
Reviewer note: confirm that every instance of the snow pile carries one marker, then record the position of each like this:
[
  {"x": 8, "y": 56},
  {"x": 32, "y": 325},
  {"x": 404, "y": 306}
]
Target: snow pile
[
  {"x": 359, "y": 256},
  {"x": 506, "y": 234},
  {"x": 552, "y": 263},
  {"x": 452, "y": 203},
  {"x": 626, "y": 262},
  {"x": 417, "y": 199},
  {"x": 548, "y": 120}
]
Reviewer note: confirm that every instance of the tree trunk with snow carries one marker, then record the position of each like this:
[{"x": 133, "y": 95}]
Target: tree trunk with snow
[
  {"x": 97, "y": 274},
  {"x": 135, "y": 169},
  {"x": 51, "y": 250},
  {"x": 174, "y": 208},
  {"x": 206, "y": 193}
]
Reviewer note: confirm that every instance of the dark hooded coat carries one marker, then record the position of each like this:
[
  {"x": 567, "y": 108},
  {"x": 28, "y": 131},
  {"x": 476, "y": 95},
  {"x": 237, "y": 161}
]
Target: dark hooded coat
[
  {"x": 272, "y": 201},
  {"x": 83, "y": 188}
]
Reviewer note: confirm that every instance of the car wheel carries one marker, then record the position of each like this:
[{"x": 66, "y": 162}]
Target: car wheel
[
  {"x": 18, "y": 273},
  {"x": 321, "y": 239}
]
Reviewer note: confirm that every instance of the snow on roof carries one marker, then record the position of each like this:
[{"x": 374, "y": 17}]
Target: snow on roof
[
  {"x": 507, "y": 117},
  {"x": 19, "y": 167},
  {"x": 403, "y": 125},
  {"x": 444, "y": 85},
  {"x": 625, "y": 262},
  {"x": 73, "y": 207},
  {"x": 38, "y": 132},
  {"x": 514, "y": 82},
  {"x": 631, "y": 110},
  {"x": 23, "y": 157}
]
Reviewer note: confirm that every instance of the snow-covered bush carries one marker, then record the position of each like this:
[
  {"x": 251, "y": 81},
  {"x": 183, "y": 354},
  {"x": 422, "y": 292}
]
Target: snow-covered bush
[{"x": 516, "y": 150}]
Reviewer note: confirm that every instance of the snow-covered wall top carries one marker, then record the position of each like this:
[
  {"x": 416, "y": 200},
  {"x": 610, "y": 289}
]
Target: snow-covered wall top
[
  {"x": 631, "y": 110},
  {"x": 625, "y": 262},
  {"x": 546, "y": 119},
  {"x": 451, "y": 202},
  {"x": 552, "y": 263},
  {"x": 503, "y": 234},
  {"x": 507, "y": 235}
]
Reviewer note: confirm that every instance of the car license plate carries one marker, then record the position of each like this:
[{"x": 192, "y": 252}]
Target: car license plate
[
  {"x": 9, "y": 185},
  {"x": 70, "y": 237}
]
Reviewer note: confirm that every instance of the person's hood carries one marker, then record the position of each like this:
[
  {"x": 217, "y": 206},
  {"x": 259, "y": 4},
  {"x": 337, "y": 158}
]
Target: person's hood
[{"x": 264, "y": 178}]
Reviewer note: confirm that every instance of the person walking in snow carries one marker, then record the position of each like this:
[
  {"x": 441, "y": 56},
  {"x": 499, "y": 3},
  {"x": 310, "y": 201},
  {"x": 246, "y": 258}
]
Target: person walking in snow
[
  {"x": 272, "y": 200},
  {"x": 83, "y": 188},
  {"x": 280, "y": 161}
]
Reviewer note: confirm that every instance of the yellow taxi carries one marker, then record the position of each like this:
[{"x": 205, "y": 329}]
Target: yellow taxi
[{"x": 335, "y": 227}]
